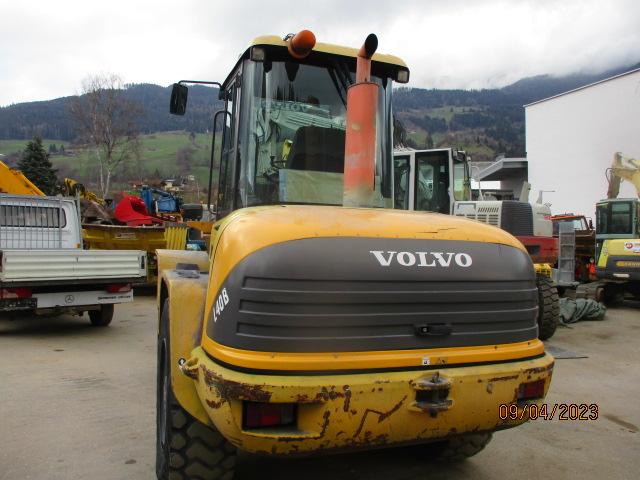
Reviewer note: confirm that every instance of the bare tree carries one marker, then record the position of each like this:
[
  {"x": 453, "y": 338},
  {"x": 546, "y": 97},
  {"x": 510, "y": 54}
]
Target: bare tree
[{"x": 106, "y": 121}]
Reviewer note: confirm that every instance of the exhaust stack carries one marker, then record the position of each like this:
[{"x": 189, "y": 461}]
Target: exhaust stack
[{"x": 361, "y": 135}]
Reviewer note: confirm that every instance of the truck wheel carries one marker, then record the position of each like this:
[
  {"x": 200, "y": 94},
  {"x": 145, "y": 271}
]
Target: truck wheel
[
  {"x": 612, "y": 295},
  {"x": 548, "y": 308},
  {"x": 185, "y": 447},
  {"x": 459, "y": 448},
  {"x": 102, "y": 317}
]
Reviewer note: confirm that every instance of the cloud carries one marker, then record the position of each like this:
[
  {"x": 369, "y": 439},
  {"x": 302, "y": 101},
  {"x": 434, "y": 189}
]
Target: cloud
[{"x": 46, "y": 48}]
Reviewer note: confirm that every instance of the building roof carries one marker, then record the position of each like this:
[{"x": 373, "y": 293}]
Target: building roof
[
  {"x": 635, "y": 70},
  {"x": 503, "y": 169}
]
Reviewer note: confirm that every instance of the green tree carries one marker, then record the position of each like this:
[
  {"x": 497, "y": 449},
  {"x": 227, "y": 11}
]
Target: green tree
[
  {"x": 35, "y": 165},
  {"x": 429, "y": 141},
  {"x": 106, "y": 120},
  {"x": 53, "y": 149}
]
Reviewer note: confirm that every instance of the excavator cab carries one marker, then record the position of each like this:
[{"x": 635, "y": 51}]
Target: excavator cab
[
  {"x": 620, "y": 216},
  {"x": 431, "y": 180}
]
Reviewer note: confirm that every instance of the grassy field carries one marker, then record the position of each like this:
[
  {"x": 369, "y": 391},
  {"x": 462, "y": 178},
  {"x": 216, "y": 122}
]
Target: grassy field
[
  {"x": 174, "y": 154},
  {"x": 164, "y": 155},
  {"x": 8, "y": 147}
]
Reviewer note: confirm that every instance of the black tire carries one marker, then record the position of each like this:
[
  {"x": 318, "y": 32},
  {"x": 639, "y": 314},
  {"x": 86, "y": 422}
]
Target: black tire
[
  {"x": 185, "y": 447},
  {"x": 459, "y": 448},
  {"x": 612, "y": 295},
  {"x": 548, "y": 308},
  {"x": 102, "y": 317}
]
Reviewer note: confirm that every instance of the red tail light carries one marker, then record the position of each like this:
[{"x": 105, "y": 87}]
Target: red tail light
[
  {"x": 119, "y": 288},
  {"x": 260, "y": 415},
  {"x": 19, "y": 292},
  {"x": 531, "y": 390}
]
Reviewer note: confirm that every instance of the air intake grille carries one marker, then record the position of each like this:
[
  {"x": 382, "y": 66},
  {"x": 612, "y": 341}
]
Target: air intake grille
[{"x": 333, "y": 295}]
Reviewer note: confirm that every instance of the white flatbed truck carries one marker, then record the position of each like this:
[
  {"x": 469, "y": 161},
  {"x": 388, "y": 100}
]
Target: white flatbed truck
[{"x": 44, "y": 270}]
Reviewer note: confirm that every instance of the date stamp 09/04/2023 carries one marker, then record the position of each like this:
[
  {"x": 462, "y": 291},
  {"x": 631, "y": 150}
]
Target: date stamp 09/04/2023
[{"x": 559, "y": 411}]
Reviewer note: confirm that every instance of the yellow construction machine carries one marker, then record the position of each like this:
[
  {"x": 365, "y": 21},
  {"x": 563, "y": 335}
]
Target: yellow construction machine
[
  {"x": 13, "y": 181},
  {"x": 321, "y": 320},
  {"x": 73, "y": 188},
  {"x": 618, "y": 234}
]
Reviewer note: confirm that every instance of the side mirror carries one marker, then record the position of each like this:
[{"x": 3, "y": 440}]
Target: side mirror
[
  {"x": 178, "y": 103},
  {"x": 590, "y": 224}
]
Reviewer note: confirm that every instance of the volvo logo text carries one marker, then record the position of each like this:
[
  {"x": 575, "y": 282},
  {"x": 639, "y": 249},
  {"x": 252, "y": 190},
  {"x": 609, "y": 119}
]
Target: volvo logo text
[{"x": 422, "y": 259}]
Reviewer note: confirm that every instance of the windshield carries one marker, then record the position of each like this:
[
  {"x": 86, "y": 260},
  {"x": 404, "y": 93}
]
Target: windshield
[
  {"x": 614, "y": 218},
  {"x": 292, "y": 133},
  {"x": 578, "y": 224}
]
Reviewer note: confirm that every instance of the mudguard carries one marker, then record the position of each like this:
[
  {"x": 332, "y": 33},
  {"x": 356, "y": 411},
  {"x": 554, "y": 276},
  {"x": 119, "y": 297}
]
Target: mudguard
[{"x": 186, "y": 290}]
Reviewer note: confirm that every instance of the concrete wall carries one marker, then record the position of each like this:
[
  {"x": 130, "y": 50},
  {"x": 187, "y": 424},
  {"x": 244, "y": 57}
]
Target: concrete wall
[{"x": 571, "y": 140}]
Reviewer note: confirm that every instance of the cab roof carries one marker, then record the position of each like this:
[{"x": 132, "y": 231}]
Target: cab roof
[{"x": 329, "y": 48}]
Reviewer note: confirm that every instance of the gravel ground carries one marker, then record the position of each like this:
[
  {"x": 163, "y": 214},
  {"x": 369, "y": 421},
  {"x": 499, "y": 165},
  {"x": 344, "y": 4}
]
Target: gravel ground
[{"x": 78, "y": 402}]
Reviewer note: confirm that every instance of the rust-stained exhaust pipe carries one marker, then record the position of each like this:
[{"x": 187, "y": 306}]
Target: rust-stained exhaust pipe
[{"x": 361, "y": 134}]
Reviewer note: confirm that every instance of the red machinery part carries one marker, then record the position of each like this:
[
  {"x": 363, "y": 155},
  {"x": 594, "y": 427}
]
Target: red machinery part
[
  {"x": 541, "y": 249},
  {"x": 132, "y": 212}
]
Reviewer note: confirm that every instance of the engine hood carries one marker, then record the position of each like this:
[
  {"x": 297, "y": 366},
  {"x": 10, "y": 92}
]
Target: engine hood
[{"x": 311, "y": 279}]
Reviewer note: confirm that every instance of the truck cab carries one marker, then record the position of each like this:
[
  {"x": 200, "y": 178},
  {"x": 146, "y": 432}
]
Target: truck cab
[{"x": 39, "y": 223}]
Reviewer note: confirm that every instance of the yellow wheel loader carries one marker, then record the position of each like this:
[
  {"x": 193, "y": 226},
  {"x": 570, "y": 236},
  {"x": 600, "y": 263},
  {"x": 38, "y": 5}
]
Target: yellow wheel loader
[{"x": 321, "y": 320}]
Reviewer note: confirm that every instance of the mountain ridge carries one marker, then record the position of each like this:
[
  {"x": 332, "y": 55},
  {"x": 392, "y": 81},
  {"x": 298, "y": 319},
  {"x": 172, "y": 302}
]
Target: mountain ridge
[{"x": 485, "y": 122}]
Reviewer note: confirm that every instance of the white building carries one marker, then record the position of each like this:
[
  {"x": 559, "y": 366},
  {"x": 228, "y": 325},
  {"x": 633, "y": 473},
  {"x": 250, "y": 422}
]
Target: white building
[{"x": 571, "y": 139}]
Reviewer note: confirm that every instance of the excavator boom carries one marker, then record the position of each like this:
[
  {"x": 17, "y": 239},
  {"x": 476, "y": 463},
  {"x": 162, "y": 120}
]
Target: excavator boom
[
  {"x": 13, "y": 181},
  {"x": 623, "y": 168}
]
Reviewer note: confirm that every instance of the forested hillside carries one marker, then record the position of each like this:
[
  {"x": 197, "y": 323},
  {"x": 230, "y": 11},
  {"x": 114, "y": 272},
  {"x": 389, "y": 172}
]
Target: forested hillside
[
  {"x": 484, "y": 122},
  {"x": 52, "y": 119}
]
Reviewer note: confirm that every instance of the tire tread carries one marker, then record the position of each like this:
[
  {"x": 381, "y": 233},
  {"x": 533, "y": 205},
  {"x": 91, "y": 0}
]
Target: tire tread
[{"x": 548, "y": 308}]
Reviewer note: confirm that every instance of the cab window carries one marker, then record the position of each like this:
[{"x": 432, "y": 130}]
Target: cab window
[
  {"x": 401, "y": 173},
  {"x": 432, "y": 182}
]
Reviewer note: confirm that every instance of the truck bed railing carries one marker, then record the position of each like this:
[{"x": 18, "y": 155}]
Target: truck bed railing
[{"x": 31, "y": 222}]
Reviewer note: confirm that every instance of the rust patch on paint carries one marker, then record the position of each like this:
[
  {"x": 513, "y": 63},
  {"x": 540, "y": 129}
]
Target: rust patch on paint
[
  {"x": 381, "y": 415},
  {"x": 228, "y": 389}
]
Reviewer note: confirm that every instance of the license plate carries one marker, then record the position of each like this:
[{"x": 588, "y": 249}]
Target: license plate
[{"x": 18, "y": 303}]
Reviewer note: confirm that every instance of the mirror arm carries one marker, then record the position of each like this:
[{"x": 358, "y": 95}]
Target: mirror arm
[{"x": 213, "y": 152}]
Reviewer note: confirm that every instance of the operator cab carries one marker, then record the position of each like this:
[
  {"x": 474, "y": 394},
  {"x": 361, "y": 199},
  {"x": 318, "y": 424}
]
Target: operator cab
[
  {"x": 423, "y": 179},
  {"x": 283, "y": 134}
]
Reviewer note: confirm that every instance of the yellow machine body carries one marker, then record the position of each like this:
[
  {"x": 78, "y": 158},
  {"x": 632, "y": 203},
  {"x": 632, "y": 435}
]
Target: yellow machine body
[
  {"x": 619, "y": 259},
  {"x": 13, "y": 181},
  {"x": 344, "y": 400}
]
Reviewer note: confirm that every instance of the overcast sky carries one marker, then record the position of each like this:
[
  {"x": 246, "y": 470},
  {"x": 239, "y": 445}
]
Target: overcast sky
[{"x": 48, "y": 47}]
